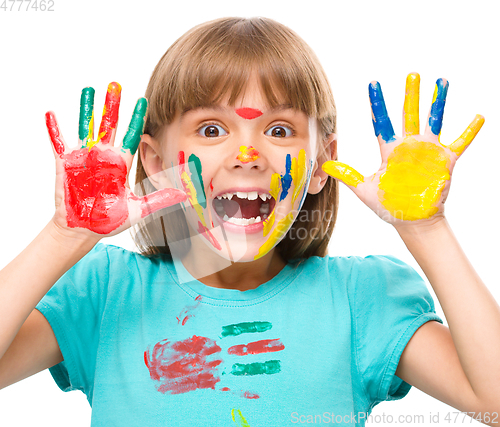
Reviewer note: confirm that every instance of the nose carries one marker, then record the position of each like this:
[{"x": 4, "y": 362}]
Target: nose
[{"x": 248, "y": 158}]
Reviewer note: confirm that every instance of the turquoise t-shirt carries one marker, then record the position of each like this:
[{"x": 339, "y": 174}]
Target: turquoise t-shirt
[{"x": 151, "y": 346}]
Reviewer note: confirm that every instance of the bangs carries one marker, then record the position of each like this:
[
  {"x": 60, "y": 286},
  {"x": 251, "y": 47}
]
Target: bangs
[{"x": 215, "y": 62}]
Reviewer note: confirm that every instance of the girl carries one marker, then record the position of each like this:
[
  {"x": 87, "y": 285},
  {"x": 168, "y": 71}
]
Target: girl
[{"x": 233, "y": 314}]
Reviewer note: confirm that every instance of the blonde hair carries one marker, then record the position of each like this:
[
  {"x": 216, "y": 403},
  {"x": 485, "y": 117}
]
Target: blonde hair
[{"x": 216, "y": 59}]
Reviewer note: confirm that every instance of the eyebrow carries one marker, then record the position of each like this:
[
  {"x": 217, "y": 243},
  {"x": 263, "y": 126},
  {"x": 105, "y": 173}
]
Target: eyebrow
[{"x": 220, "y": 108}]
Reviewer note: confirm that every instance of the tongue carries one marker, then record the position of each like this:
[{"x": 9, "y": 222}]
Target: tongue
[{"x": 242, "y": 208}]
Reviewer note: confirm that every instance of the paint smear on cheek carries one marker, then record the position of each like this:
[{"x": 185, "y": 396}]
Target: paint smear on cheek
[
  {"x": 95, "y": 190},
  {"x": 416, "y": 174},
  {"x": 278, "y": 232},
  {"x": 247, "y": 154},
  {"x": 248, "y": 113},
  {"x": 286, "y": 180},
  {"x": 183, "y": 366},
  {"x": 198, "y": 179},
  {"x": 299, "y": 173},
  {"x": 190, "y": 190}
]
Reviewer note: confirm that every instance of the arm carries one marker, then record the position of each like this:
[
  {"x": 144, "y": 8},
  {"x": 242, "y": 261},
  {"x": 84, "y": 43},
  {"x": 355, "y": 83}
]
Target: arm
[
  {"x": 461, "y": 367},
  {"x": 93, "y": 200},
  {"x": 29, "y": 346}
]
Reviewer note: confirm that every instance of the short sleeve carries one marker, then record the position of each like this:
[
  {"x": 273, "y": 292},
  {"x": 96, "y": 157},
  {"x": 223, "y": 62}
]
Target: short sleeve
[
  {"x": 390, "y": 301},
  {"x": 73, "y": 307}
]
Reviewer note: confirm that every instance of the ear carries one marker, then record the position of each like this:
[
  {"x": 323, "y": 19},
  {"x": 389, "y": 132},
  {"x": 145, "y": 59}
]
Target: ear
[
  {"x": 318, "y": 176},
  {"x": 151, "y": 158}
]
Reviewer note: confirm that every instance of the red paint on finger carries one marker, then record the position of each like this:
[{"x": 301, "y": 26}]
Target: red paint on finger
[
  {"x": 248, "y": 113},
  {"x": 55, "y": 135},
  {"x": 256, "y": 347},
  {"x": 160, "y": 199},
  {"x": 94, "y": 190},
  {"x": 110, "y": 113}
]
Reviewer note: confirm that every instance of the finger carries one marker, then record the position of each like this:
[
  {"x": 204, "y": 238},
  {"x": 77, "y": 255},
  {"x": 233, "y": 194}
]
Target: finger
[
  {"x": 411, "y": 122},
  {"x": 435, "y": 121},
  {"x": 109, "y": 119},
  {"x": 86, "y": 123},
  {"x": 54, "y": 133},
  {"x": 343, "y": 172},
  {"x": 136, "y": 126},
  {"x": 381, "y": 122},
  {"x": 160, "y": 199},
  {"x": 459, "y": 146}
]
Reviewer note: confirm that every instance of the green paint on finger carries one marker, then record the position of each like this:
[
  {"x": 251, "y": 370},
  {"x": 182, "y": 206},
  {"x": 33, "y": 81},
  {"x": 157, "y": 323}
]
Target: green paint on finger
[
  {"x": 245, "y": 327},
  {"x": 258, "y": 368},
  {"x": 197, "y": 179},
  {"x": 136, "y": 126},
  {"x": 86, "y": 122}
]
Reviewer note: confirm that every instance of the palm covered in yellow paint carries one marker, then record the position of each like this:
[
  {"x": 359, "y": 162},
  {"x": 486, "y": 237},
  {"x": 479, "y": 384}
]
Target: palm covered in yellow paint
[{"x": 414, "y": 178}]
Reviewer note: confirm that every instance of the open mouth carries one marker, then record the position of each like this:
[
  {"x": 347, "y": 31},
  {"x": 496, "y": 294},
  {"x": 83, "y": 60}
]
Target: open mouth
[{"x": 244, "y": 208}]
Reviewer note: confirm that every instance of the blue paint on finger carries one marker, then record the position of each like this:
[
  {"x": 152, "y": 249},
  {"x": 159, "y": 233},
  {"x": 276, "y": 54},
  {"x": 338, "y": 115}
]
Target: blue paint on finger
[
  {"x": 437, "y": 108},
  {"x": 381, "y": 122}
]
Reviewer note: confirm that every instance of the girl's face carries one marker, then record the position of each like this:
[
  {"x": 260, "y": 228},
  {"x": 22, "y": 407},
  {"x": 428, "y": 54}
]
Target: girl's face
[{"x": 246, "y": 171}]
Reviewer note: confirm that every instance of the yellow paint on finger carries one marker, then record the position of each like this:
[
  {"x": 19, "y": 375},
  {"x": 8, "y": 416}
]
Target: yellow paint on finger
[
  {"x": 299, "y": 173},
  {"x": 278, "y": 232},
  {"x": 192, "y": 196},
  {"x": 343, "y": 172},
  {"x": 468, "y": 136},
  {"x": 415, "y": 177},
  {"x": 411, "y": 105},
  {"x": 238, "y": 418}
]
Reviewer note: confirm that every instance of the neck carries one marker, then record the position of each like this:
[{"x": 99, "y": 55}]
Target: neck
[{"x": 220, "y": 273}]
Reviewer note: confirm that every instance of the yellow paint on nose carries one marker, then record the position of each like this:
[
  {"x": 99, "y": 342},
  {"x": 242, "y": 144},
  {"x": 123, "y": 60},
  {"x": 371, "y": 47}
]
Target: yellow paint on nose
[{"x": 415, "y": 177}]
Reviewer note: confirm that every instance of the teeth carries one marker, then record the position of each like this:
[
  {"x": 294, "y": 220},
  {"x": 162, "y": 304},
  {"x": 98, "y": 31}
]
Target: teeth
[
  {"x": 242, "y": 221},
  {"x": 264, "y": 208},
  {"x": 251, "y": 195}
]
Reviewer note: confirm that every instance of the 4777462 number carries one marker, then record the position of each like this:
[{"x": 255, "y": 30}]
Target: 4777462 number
[{"x": 27, "y": 6}]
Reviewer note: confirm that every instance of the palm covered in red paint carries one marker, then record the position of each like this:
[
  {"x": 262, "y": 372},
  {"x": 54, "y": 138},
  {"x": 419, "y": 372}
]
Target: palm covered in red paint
[{"x": 92, "y": 190}]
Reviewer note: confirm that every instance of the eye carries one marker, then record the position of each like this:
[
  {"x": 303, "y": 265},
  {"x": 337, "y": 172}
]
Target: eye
[
  {"x": 212, "y": 131},
  {"x": 279, "y": 131}
]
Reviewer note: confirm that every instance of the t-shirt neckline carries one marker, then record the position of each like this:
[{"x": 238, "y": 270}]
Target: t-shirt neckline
[{"x": 232, "y": 297}]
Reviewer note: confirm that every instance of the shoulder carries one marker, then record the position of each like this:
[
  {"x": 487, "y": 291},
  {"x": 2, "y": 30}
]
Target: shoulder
[{"x": 357, "y": 267}]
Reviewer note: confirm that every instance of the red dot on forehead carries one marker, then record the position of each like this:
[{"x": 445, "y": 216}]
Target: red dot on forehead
[{"x": 248, "y": 113}]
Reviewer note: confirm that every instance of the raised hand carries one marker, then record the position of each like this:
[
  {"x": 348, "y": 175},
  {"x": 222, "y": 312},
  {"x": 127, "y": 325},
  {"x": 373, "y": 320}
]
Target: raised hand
[
  {"x": 92, "y": 190},
  {"x": 414, "y": 179}
]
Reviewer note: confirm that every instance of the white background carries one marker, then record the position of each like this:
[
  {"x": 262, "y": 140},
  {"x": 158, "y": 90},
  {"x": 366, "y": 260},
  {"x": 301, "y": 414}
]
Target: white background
[{"x": 48, "y": 57}]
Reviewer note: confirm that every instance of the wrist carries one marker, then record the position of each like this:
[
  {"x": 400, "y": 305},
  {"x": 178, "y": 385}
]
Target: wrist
[
  {"x": 75, "y": 240},
  {"x": 424, "y": 232}
]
